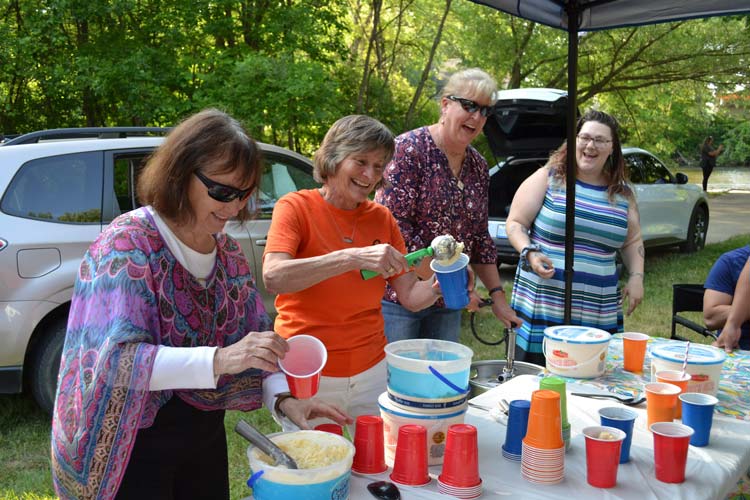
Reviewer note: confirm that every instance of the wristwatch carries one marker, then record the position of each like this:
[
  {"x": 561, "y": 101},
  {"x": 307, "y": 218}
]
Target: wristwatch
[
  {"x": 525, "y": 255},
  {"x": 279, "y": 398}
]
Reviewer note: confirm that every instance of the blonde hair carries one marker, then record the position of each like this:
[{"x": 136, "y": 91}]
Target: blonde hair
[{"x": 472, "y": 81}]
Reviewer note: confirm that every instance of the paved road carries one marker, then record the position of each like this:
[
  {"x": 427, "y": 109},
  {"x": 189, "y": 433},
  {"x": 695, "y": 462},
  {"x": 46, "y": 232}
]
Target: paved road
[{"x": 729, "y": 216}]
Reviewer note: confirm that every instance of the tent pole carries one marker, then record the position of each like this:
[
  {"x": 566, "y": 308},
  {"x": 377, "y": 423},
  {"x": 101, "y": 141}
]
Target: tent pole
[{"x": 571, "y": 9}]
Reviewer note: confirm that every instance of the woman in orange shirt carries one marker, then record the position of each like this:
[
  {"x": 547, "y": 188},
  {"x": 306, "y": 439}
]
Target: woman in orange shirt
[{"x": 318, "y": 242}]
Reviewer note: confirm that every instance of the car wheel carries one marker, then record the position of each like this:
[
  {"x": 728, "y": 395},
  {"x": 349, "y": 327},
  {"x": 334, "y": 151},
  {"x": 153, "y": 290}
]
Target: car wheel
[
  {"x": 697, "y": 231},
  {"x": 45, "y": 364}
]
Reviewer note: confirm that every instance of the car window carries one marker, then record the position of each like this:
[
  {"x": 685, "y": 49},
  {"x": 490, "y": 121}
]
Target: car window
[
  {"x": 65, "y": 188},
  {"x": 655, "y": 172},
  {"x": 126, "y": 170},
  {"x": 635, "y": 168},
  {"x": 279, "y": 178}
]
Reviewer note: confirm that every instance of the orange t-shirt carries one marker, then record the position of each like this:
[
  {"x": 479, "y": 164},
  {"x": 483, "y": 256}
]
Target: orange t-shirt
[{"x": 343, "y": 311}]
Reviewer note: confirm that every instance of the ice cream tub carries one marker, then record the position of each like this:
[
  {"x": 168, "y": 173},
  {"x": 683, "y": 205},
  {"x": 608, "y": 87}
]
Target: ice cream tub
[{"x": 704, "y": 364}]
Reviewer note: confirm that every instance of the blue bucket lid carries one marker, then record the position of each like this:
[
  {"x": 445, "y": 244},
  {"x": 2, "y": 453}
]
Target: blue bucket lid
[
  {"x": 577, "y": 334},
  {"x": 699, "y": 354}
]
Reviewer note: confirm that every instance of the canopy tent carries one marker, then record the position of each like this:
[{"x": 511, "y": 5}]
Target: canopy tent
[{"x": 593, "y": 15}]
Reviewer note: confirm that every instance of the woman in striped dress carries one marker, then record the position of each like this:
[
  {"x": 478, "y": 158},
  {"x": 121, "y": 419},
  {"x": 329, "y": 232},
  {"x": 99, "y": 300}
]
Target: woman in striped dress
[{"x": 606, "y": 221}]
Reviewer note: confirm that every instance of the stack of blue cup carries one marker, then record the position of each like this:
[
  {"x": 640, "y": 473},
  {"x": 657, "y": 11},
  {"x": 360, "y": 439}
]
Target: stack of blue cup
[{"x": 518, "y": 419}]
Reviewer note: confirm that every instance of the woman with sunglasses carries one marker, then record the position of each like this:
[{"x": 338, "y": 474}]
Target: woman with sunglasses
[
  {"x": 167, "y": 331},
  {"x": 320, "y": 240},
  {"x": 438, "y": 184},
  {"x": 606, "y": 222}
]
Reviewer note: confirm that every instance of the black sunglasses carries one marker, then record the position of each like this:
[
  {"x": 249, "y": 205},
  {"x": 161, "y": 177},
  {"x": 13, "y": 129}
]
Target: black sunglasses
[
  {"x": 471, "y": 106},
  {"x": 222, "y": 192}
]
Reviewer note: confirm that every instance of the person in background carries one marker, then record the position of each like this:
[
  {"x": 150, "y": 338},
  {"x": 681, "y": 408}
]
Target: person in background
[
  {"x": 721, "y": 283},
  {"x": 167, "y": 331},
  {"x": 436, "y": 184},
  {"x": 606, "y": 221},
  {"x": 708, "y": 158},
  {"x": 319, "y": 241}
]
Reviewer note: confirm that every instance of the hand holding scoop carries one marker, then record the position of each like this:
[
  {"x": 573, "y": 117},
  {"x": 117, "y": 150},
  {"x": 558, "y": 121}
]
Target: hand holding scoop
[{"x": 443, "y": 248}]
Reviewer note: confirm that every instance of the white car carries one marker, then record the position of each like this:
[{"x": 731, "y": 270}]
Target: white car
[
  {"x": 58, "y": 190},
  {"x": 528, "y": 124}
]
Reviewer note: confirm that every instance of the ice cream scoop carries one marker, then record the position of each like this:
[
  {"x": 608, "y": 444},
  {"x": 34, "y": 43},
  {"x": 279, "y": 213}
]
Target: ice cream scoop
[{"x": 444, "y": 248}]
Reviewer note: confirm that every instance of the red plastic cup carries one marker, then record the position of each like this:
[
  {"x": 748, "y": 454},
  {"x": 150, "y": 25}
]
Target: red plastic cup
[
  {"x": 332, "y": 428},
  {"x": 410, "y": 464},
  {"x": 369, "y": 449},
  {"x": 671, "y": 442},
  {"x": 461, "y": 457},
  {"x": 603, "y": 445},
  {"x": 302, "y": 364}
]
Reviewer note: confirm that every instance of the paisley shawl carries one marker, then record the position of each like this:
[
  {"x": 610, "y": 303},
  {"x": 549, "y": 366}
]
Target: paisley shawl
[{"x": 132, "y": 295}]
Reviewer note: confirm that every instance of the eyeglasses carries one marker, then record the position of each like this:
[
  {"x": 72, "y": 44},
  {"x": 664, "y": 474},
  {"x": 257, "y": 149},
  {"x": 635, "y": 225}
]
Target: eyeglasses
[
  {"x": 599, "y": 142},
  {"x": 222, "y": 192},
  {"x": 471, "y": 106}
]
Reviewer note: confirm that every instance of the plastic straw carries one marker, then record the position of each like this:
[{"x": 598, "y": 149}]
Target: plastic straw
[{"x": 684, "y": 362}]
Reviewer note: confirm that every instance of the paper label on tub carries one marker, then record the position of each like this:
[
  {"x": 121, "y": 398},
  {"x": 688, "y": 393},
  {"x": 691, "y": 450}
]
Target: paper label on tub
[
  {"x": 699, "y": 354},
  {"x": 577, "y": 334}
]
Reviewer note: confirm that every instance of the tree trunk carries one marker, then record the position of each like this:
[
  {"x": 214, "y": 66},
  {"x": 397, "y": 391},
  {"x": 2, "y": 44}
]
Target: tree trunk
[{"x": 427, "y": 67}]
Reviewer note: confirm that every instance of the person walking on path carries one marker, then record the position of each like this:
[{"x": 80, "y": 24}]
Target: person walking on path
[{"x": 708, "y": 158}]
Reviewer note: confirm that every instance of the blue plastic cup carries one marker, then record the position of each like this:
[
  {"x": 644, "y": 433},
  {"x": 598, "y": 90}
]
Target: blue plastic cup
[
  {"x": 518, "y": 420},
  {"x": 454, "y": 280},
  {"x": 698, "y": 413},
  {"x": 623, "y": 419}
]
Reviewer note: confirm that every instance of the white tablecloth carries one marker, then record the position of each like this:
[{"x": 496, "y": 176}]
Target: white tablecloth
[{"x": 712, "y": 472}]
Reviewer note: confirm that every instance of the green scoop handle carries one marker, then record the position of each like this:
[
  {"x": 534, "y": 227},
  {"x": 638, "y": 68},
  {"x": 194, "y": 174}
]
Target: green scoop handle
[{"x": 411, "y": 258}]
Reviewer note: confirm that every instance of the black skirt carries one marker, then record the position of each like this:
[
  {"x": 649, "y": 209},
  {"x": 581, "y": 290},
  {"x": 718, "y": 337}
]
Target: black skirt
[{"x": 183, "y": 455}]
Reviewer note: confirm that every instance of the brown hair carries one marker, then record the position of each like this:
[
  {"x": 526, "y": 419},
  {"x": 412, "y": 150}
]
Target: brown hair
[
  {"x": 209, "y": 141},
  {"x": 614, "y": 167},
  {"x": 349, "y": 135}
]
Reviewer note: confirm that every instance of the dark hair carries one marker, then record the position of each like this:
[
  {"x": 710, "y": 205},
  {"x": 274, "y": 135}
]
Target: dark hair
[
  {"x": 614, "y": 167},
  {"x": 707, "y": 140},
  {"x": 210, "y": 141},
  {"x": 349, "y": 135}
]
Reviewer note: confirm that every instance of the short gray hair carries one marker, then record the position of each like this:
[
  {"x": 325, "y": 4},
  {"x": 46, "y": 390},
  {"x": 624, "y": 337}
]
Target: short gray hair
[
  {"x": 349, "y": 135},
  {"x": 472, "y": 81}
]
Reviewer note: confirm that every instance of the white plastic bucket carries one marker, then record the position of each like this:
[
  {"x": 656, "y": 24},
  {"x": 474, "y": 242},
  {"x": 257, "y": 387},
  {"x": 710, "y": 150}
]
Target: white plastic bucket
[
  {"x": 576, "y": 351},
  {"x": 320, "y": 483},
  {"x": 436, "y": 425},
  {"x": 704, "y": 364},
  {"x": 428, "y": 369},
  {"x": 427, "y": 405}
]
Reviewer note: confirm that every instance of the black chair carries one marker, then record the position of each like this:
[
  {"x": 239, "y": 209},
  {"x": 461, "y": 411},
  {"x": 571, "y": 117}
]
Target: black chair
[{"x": 688, "y": 298}]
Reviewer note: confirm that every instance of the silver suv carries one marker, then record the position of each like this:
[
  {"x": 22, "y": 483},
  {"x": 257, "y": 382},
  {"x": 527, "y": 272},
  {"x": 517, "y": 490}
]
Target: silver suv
[
  {"x": 58, "y": 190},
  {"x": 527, "y": 124}
]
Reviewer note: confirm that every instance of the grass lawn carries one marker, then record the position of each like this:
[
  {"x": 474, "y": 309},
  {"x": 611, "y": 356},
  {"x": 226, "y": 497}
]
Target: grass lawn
[{"x": 24, "y": 429}]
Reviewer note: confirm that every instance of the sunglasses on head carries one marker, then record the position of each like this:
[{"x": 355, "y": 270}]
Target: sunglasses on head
[
  {"x": 222, "y": 192},
  {"x": 471, "y": 106}
]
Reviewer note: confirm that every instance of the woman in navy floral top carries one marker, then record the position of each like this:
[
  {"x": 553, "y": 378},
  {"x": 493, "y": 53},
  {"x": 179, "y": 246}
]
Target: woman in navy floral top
[{"x": 439, "y": 185}]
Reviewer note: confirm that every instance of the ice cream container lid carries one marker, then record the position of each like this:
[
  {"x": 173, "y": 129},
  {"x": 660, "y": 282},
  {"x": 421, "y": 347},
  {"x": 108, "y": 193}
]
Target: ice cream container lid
[
  {"x": 577, "y": 334},
  {"x": 699, "y": 354}
]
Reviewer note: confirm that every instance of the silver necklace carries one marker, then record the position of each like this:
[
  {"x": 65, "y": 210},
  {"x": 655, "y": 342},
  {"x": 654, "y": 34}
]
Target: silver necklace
[{"x": 346, "y": 239}]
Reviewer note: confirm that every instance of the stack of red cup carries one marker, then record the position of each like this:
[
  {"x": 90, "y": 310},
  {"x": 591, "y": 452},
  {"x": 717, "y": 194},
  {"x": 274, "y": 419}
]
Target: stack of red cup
[
  {"x": 543, "y": 448},
  {"x": 460, "y": 474}
]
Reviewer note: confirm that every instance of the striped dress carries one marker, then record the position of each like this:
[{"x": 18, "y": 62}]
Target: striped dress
[{"x": 600, "y": 230}]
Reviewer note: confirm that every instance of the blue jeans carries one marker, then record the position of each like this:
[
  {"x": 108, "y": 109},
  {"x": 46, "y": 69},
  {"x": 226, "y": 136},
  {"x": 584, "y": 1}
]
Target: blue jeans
[{"x": 431, "y": 323}]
